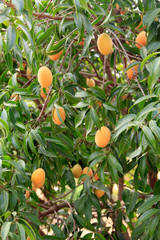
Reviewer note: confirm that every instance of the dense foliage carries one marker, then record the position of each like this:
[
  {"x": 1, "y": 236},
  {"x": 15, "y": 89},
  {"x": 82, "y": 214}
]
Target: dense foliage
[{"x": 66, "y": 207}]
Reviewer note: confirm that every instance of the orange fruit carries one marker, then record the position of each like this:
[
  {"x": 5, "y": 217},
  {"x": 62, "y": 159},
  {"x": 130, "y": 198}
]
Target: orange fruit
[
  {"x": 38, "y": 178},
  {"x": 29, "y": 73},
  {"x": 102, "y": 137},
  {"x": 82, "y": 42},
  {"x": 44, "y": 95},
  {"x": 90, "y": 82},
  {"x": 28, "y": 238},
  {"x": 55, "y": 115},
  {"x": 141, "y": 39},
  {"x": 54, "y": 57},
  {"x": 27, "y": 194},
  {"x": 77, "y": 171},
  {"x": 89, "y": 173},
  {"x": 45, "y": 77},
  {"x": 140, "y": 26},
  {"x": 104, "y": 44},
  {"x": 99, "y": 193},
  {"x": 96, "y": 177},
  {"x": 130, "y": 72}
]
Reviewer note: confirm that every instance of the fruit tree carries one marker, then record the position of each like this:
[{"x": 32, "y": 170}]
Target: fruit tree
[{"x": 79, "y": 119}]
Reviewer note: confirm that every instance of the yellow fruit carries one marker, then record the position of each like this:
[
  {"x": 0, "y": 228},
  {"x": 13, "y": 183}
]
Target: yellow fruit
[
  {"x": 130, "y": 72},
  {"x": 54, "y": 57},
  {"x": 102, "y": 137},
  {"x": 55, "y": 115},
  {"x": 27, "y": 194},
  {"x": 89, "y": 173},
  {"x": 104, "y": 43},
  {"x": 90, "y": 82},
  {"x": 96, "y": 177},
  {"x": 141, "y": 39},
  {"x": 77, "y": 171},
  {"x": 29, "y": 73},
  {"x": 44, "y": 77},
  {"x": 99, "y": 193},
  {"x": 43, "y": 94},
  {"x": 38, "y": 178}
]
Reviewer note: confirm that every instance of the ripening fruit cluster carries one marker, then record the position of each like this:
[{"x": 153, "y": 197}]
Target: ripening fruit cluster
[{"x": 77, "y": 172}]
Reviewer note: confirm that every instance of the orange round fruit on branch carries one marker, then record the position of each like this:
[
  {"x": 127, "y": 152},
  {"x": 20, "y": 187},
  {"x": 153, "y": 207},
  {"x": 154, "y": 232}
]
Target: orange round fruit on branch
[
  {"x": 55, "y": 115},
  {"x": 89, "y": 173},
  {"x": 43, "y": 94},
  {"x": 29, "y": 73},
  {"x": 90, "y": 82},
  {"x": 45, "y": 77},
  {"x": 102, "y": 137},
  {"x": 27, "y": 194},
  {"x": 38, "y": 178},
  {"x": 99, "y": 193},
  {"x": 104, "y": 44},
  {"x": 96, "y": 177},
  {"x": 77, "y": 171},
  {"x": 140, "y": 27},
  {"x": 82, "y": 42},
  {"x": 131, "y": 74},
  {"x": 55, "y": 56},
  {"x": 141, "y": 39}
]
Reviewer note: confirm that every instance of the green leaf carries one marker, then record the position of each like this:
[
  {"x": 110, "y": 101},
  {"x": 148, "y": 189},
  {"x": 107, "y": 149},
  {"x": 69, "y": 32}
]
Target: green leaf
[
  {"x": 149, "y": 135},
  {"x": 155, "y": 129},
  {"x": 148, "y": 203},
  {"x": 94, "y": 117},
  {"x": 137, "y": 232},
  {"x": 115, "y": 163},
  {"x": 150, "y": 16},
  {"x": 124, "y": 120},
  {"x": 88, "y": 123},
  {"x": 31, "y": 144},
  {"x": 79, "y": 118},
  {"x": 134, "y": 197},
  {"x": 19, "y": 4},
  {"x": 87, "y": 24},
  {"x": 139, "y": 100},
  {"x": 21, "y": 231},
  {"x": 4, "y": 201},
  {"x": 3, "y": 18},
  {"x": 11, "y": 38},
  {"x": 70, "y": 179},
  {"x": 58, "y": 232},
  {"x": 5, "y": 230},
  {"x": 114, "y": 173},
  {"x": 109, "y": 106},
  {"x": 29, "y": 233},
  {"x": 135, "y": 153},
  {"x": 25, "y": 108},
  {"x": 43, "y": 37},
  {"x": 83, "y": 222},
  {"x": 147, "y": 215},
  {"x": 31, "y": 217},
  {"x": 88, "y": 209}
]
